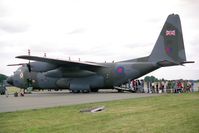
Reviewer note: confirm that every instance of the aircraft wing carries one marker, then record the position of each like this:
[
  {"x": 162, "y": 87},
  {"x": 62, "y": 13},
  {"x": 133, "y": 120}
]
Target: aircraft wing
[{"x": 64, "y": 63}]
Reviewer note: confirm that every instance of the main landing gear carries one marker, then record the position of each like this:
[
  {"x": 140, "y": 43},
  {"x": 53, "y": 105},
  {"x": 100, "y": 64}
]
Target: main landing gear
[{"x": 84, "y": 90}]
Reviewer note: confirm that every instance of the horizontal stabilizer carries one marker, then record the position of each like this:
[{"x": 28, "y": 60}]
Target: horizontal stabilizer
[
  {"x": 185, "y": 62},
  {"x": 171, "y": 63},
  {"x": 167, "y": 63}
]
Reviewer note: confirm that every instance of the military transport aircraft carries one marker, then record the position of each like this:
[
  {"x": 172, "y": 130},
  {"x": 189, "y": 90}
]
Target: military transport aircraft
[{"x": 77, "y": 76}]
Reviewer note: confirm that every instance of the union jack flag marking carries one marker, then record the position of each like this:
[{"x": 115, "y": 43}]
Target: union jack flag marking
[{"x": 170, "y": 33}]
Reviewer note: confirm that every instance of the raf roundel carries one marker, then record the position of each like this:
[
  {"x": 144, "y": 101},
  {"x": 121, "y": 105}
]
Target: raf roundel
[
  {"x": 21, "y": 75},
  {"x": 120, "y": 70},
  {"x": 168, "y": 50}
]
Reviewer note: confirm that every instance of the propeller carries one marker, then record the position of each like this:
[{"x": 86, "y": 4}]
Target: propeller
[
  {"x": 29, "y": 80},
  {"x": 20, "y": 64},
  {"x": 28, "y": 65}
]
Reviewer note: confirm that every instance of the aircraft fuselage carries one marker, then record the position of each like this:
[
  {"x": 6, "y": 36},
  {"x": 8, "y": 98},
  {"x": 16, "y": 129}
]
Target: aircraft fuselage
[{"x": 114, "y": 74}]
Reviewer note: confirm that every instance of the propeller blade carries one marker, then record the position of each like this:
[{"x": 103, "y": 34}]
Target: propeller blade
[
  {"x": 20, "y": 64},
  {"x": 29, "y": 67}
]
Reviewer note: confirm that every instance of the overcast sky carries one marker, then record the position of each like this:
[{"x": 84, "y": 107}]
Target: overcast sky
[{"x": 95, "y": 30}]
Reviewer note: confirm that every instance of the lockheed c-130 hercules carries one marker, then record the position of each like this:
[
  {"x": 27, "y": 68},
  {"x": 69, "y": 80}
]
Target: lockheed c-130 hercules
[{"x": 78, "y": 76}]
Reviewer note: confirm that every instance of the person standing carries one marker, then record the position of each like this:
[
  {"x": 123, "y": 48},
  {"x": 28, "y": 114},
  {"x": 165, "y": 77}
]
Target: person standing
[
  {"x": 6, "y": 91},
  {"x": 157, "y": 89}
]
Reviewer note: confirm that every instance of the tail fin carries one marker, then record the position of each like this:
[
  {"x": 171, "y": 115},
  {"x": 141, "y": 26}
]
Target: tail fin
[{"x": 169, "y": 48}]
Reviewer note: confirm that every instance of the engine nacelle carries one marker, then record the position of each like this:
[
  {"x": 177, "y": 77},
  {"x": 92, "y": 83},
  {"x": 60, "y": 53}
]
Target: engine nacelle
[
  {"x": 41, "y": 66},
  {"x": 61, "y": 73}
]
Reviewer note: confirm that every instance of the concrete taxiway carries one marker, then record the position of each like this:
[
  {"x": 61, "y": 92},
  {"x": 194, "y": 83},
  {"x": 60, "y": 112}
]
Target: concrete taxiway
[{"x": 45, "y": 99}]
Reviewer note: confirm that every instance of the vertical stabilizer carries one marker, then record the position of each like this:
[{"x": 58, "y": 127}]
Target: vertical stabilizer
[{"x": 170, "y": 44}]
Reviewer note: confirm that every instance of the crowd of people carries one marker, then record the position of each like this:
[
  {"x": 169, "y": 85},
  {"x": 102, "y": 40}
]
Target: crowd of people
[
  {"x": 169, "y": 86},
  {"x": 137, "y": 85}
]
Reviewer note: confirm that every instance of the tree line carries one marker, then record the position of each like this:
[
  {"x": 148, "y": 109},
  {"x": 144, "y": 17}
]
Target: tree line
[{"x": 2, "y": 78}]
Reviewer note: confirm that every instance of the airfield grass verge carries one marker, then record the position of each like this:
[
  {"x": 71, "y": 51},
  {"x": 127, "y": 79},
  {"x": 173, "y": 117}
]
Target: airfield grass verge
[
  {"x": 171, "y": 113},
  {"x": 12, "y": 90}
]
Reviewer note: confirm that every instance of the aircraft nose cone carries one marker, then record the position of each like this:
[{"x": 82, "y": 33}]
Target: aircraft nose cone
[{"x": 10, "y": 80}]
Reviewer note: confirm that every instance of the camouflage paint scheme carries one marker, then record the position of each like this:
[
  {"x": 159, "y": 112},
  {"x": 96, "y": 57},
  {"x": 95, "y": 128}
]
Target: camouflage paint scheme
[{"x": 49, "y": 73}]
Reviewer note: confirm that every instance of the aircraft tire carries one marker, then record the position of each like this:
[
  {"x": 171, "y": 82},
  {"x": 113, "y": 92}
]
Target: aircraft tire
[
  {"x": 120, "y": 91},
  {"x": 75, "y": 91},
  {"x": 94, "y": 90},
  {"x": 56, "y": 89},
  {"x": 85, "y": 91}
]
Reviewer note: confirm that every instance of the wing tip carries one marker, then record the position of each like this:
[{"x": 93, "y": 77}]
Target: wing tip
[{"x": 20, "y": 56}]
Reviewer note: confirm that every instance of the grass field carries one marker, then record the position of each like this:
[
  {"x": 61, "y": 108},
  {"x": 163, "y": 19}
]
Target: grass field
[
  {"x": 12, "y": 89},
  {"x": 173, "y": 113}
]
